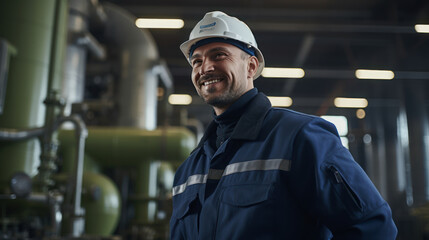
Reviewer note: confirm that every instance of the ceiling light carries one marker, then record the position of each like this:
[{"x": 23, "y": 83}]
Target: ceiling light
[
  {"x": 340, "y": 123},
  {"x": 360, "y": 113},
  {"x": 180, "y": 99},
  {"x": 350, "y": 102},
  {"x": 422, "y": 28},
  {"x": 270, "y": 72},
  {"x": 280, "y": 101},
  {"x": 374, "y": 74},
  {"x": 159, "y": 23}
]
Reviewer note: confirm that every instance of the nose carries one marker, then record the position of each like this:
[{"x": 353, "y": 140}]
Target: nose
[{"x": 206, "y": 66}]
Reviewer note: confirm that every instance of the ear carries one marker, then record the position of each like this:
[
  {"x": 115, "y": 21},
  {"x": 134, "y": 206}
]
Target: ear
[{"x": 252, "y": 67}]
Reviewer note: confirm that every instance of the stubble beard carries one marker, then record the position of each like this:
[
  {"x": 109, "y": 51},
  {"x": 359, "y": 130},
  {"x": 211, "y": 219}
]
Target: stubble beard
[{"x": 224, "y": 99}]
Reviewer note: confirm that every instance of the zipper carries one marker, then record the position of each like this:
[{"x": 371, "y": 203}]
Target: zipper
[{"x": 340, "y": 180}]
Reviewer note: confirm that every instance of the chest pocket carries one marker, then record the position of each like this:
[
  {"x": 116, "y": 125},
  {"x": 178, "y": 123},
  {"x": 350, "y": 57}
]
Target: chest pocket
[{"x": 244, "y": 211}]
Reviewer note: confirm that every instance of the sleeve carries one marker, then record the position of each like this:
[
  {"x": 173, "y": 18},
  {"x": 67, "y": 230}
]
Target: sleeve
[{"x": 333, "y": 187}]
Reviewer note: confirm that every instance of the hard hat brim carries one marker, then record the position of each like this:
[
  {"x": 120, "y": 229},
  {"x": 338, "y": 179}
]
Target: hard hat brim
[{"x": 186, "y": 46}]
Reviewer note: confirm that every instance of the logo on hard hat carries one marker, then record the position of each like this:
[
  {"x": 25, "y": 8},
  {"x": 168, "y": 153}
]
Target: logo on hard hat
[{"x": 207, "y": 27}]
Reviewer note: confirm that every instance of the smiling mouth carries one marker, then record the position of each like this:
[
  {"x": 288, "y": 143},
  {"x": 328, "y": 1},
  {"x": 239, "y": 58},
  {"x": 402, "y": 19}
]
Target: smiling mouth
[{"x": 210, "y": 82}]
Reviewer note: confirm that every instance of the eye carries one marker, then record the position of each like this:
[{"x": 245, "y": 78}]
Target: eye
[
  {"x": 220, "y": 55},
  {"x": 196, "y": 62}
]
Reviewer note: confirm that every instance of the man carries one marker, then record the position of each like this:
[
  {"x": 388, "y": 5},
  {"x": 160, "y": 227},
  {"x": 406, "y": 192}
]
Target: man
[{"x": 261, "y": 172}]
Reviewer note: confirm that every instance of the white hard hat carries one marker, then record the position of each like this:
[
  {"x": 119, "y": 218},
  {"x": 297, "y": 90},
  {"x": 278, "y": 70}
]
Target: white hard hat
[{"x": 219, "y": 25}]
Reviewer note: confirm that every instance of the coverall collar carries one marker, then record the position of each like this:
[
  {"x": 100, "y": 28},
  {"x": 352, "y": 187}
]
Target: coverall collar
[{"x": 250, "y": 123}]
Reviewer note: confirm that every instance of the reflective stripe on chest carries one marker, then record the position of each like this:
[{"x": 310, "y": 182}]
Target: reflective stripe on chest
[{"x": 217, "y": 174}]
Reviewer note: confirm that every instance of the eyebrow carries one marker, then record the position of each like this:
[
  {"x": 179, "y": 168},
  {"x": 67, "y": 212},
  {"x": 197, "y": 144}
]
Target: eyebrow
[{"x": 216, "y": 49}]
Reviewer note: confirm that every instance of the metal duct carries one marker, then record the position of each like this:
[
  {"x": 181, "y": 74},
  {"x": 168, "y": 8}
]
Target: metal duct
[
  {"x": 138, "y": 81},
  {"x": 72, "y": 89}
]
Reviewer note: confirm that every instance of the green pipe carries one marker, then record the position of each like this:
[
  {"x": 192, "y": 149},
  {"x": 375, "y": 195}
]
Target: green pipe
[
  {"x": 146, "y": 189},
  {"x": 28, "y": 26},
  {"x": 129, "y": 147},
  {"x": 101, "y": 201},
  {"x": 59, "y": 43},
  {"x": 153, "y": 184},
  {"x": 102, "y": 204},
  {"x": 133, "y": 148}
]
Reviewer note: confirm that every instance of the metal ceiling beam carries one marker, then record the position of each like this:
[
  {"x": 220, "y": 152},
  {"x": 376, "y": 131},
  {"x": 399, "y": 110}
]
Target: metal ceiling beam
[
  {"x": 304, "y": 50},
  {"x": 331, "y": 28}
]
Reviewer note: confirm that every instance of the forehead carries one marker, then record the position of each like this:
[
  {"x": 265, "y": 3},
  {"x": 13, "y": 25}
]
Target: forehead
[{"x": 215, "y": 46}]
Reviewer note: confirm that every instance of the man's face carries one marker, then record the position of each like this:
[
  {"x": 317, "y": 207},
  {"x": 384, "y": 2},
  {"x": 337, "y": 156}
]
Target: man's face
[{"x": 220, "y": 73}]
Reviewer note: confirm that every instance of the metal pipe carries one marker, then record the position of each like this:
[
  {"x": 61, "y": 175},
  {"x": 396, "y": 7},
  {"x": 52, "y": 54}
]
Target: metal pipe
[
  {"x": 55, "y": 211},
  {"x": 6, "y": 50},
  {"x": 87, "y": 40},
  {"x": 161, "y": 70},
  {"x": 16, "y": 135},
  {"x": 53, "y": 200},
  {"x": 96, "y": 12},
  {"x": 164, "y": 74},
  {"x": 81, "y": 133}
]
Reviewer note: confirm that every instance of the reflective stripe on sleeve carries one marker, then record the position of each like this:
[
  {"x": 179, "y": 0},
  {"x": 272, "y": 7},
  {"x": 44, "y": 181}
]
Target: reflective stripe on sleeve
[{"x": 217, "y": 174}]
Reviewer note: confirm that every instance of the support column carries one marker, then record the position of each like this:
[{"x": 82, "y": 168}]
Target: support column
[{"x": 418, "y": 130}]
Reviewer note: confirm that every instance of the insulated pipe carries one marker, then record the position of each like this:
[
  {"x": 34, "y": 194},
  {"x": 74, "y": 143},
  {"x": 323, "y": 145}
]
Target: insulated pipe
[
  {"x": 138, "y": 83},
  {"x": 73, "y": 84},
  {"x": 80, "y": 133}
]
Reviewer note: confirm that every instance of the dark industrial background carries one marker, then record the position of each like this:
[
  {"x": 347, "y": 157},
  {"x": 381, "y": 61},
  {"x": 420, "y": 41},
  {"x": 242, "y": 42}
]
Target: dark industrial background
[
  {"x": 107, "y": 172},
  {"x": 330, "y": 39}
]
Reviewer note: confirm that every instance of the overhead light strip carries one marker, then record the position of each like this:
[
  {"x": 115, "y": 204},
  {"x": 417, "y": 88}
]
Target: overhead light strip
[
  {"x": 342, "y": 102},
  {"x": 160, "y": 23},
  {"x": 374, "y": 74},
  {"x": 271, "y": 72},
  {"x": 422, "y": 28},
  {"x": 280, "y": 101},
  {"x": 180, "y": 99}
]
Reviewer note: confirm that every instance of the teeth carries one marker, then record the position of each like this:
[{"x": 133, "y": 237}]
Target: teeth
[{"x": 210, "y": 82}]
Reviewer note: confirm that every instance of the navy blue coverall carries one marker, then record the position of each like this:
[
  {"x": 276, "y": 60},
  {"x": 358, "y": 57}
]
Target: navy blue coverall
[{"x": 280, "y": 175}]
